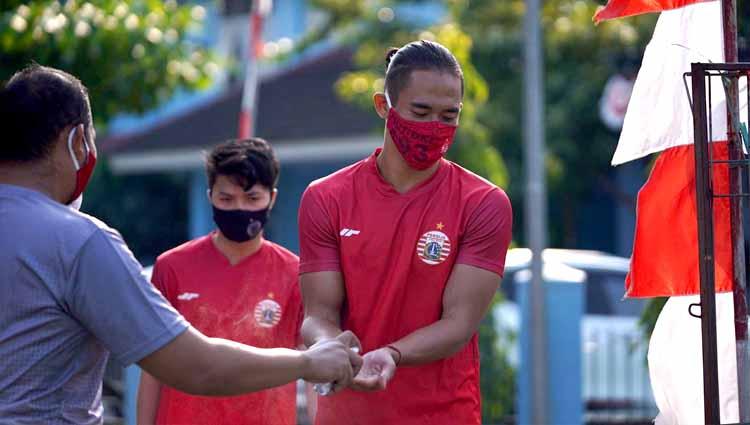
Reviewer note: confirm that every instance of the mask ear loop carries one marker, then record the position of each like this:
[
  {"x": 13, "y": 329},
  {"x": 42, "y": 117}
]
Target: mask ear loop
[
  {"x": 70, "y": 149},
  {"x": 388, "y": 99}
]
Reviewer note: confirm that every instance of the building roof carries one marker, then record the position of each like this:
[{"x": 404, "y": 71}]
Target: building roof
[{"x": 297, "y": 105}]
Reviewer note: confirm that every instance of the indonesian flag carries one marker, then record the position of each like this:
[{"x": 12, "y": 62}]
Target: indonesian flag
[
  {"x": 665, "y": 252},
  {"x": 659, "y": 118},
  {"x": 622, "y": 8}
]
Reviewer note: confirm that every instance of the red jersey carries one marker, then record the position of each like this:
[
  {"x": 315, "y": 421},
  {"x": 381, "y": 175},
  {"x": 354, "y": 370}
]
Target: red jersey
[
  {"x": 255, "y": 302},
  {"x": 396, "y": 252}
]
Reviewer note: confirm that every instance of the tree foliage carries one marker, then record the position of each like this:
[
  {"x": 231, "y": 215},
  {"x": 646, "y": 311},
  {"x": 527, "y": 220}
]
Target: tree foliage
[{"x": 132, "y": 55}]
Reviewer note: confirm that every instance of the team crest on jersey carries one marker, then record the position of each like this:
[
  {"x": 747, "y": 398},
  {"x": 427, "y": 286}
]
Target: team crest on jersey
[
  {"x": 434, "y": 247},
  {"x": 267, "y": 313}
]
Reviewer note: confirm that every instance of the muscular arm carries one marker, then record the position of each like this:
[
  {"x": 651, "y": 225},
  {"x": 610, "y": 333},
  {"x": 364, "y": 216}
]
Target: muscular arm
[
  {"x": 323, "y": 295},
  {"x": 466, "y": 299},
  {"x": 467, "y": 296}
]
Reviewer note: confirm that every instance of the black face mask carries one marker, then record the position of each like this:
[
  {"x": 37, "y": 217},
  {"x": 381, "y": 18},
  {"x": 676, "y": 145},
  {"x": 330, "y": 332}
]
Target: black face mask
[{"x": 240, "y": 225}]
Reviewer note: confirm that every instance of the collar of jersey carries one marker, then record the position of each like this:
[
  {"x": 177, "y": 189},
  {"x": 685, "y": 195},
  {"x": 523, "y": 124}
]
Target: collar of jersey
[{"x": 385, "y": 188}]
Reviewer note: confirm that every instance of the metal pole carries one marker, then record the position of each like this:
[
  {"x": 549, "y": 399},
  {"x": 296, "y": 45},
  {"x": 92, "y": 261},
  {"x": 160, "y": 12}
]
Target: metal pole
[
  {"x": 705, "y": 248},
  {"x": 729, "y": 26},
  {"x": 536, "y": 204},
  {"x": 259, "y": 10}
]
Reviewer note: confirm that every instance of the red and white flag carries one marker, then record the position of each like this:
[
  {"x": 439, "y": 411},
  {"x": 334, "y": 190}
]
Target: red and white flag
[
  {"x": 659, "y": 118},
  {"x": 623, "y": 8},
  {"x": 665, "y": 251}
]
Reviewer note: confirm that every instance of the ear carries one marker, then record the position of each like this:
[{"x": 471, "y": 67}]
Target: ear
[
  {"x": 274, "y": 195},
  {"x": 381, "y": 105},
  {"x": 208, "y": 196},
  {"x": 90, "y": 137},
  {"x": 76, "y": 144}
]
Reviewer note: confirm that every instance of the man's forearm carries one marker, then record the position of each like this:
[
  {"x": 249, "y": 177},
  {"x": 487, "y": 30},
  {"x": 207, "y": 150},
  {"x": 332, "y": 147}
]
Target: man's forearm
[
  {"x": 315, "y": 329},
  {"x": 439, "y": 340},
  {"x": 238, "y": 368},
  {"x": 200, "y": 365},
  {"x": 149, "y": 392},
  {"x": 466, "y": 300}
]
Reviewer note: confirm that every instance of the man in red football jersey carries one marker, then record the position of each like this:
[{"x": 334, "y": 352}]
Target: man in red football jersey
[
  {"x": 234, "y": 284},
  {"x": 406, "y": 250}
]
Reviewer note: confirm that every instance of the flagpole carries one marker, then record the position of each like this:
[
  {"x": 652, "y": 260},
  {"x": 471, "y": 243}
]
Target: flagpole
[
  {"x": 706, "y": 266},
  {"x": 536, "y": 206},
  {"x": 729, "y": 26},
  {"x": 259, "y": 10}
]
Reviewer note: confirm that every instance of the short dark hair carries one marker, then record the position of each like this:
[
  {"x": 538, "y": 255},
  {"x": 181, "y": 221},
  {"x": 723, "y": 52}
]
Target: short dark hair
[
  {"x": 422, "y": 55},
  {"x": 36, "y": 104},
  {"x": 246, "y": 161}
]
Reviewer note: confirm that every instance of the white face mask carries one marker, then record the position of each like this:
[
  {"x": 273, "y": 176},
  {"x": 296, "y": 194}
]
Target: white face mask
[{"x": 76, "y": 204}]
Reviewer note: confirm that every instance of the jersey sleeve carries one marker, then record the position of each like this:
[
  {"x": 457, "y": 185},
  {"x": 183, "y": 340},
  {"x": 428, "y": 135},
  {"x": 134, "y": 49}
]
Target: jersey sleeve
[
  {"x": 112, "y": 298},
  {"x": 318, "y": 240},
  {"x": 163, "y": 278},
  {"x": 488, "y": 234}
]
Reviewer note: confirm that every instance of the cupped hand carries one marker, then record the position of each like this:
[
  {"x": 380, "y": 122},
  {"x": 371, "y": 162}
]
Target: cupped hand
[{"x": 377, "y": 369}]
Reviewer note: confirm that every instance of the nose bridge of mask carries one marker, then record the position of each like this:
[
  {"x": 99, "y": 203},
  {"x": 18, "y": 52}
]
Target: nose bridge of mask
[{"x": 70, "y": 149}]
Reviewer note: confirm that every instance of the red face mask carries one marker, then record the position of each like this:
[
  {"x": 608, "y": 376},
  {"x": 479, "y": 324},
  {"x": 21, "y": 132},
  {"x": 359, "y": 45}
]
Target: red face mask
[
  {"x": 83, "y": 172},
  {"x": 421, "y": 144}
]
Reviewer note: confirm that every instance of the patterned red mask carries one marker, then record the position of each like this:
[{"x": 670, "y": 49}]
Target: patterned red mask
[
  {"x": 83, "y": 171},
  {"x": 421, "y": 144}
]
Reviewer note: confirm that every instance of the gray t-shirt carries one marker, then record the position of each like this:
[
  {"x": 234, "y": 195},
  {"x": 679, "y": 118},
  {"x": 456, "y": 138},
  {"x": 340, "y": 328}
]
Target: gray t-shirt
[{"x": 70, "y": 293}]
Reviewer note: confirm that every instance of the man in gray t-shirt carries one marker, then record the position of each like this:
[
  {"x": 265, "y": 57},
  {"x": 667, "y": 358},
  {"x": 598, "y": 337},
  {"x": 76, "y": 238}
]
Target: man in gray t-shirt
[{"x": 71, "y": 292}]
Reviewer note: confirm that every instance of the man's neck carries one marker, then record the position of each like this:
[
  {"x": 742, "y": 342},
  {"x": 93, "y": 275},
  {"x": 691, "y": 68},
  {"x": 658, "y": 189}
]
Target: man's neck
[
  {"x": 29, "y": 177},
  {"x": 235, "y": 252},
  {"x": 397, "y": 172}
]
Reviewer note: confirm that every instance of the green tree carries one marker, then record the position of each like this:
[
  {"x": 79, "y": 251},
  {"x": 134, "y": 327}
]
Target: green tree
[{"x": 132, "y": 55}]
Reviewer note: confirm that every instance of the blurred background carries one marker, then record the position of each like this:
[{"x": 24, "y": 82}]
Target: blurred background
[{"x": 166, "y": 81}]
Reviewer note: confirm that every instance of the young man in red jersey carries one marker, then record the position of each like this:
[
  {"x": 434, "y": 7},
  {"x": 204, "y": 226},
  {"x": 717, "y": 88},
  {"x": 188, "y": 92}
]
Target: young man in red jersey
[
  {"x": 406, "y": 250},
  {"x": 234, "y": 284}
]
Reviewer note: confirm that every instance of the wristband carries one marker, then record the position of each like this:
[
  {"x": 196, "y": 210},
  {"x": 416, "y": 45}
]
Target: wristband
[{"x": 397, "y": 352}]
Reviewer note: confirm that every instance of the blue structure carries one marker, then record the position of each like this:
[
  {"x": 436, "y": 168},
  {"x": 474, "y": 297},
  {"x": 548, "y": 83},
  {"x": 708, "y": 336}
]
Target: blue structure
[{"x": 564, "y": 303}]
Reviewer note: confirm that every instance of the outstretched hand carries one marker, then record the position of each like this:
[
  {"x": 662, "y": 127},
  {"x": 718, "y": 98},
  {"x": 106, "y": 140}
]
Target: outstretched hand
[{"x": 377, "y": 369}]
